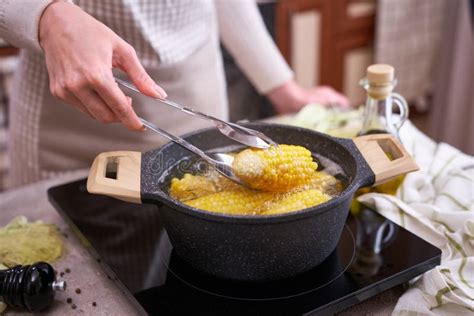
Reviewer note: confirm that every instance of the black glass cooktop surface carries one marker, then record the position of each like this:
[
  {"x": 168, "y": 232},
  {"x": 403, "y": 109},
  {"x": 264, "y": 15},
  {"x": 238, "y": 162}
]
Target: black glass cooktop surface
[{"x": 128, "y": 240}]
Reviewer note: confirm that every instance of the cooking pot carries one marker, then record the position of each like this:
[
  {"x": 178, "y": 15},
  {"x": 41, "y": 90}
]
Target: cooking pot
[{"x": 250, "y": 247}]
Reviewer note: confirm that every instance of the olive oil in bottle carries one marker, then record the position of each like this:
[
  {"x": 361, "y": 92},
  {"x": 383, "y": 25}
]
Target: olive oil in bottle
[{"x": 380, "y": 119}]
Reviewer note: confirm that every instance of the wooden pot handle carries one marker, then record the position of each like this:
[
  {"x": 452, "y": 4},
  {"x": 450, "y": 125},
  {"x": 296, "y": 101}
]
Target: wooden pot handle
[
  {"x": 116, "y": 174},
  {"x": 386, "y": 156}
]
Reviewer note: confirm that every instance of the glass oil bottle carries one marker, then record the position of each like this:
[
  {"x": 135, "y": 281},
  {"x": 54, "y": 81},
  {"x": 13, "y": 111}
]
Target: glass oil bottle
[{"x": 379, "y": 117}]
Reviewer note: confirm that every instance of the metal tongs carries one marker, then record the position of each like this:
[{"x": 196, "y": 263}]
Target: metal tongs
[{"x": 220, "y": 161}]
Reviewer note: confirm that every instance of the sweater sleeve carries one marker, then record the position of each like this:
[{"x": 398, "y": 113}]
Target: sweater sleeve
[
  {"x": 19, "y": 22},
  {"x": 245, "y": 36}
]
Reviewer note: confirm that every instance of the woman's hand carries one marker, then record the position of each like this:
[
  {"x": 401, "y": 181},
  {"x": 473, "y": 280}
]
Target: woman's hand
[
  {"x": 80, "y": 54},
  {"x": 290, "y": 97}
]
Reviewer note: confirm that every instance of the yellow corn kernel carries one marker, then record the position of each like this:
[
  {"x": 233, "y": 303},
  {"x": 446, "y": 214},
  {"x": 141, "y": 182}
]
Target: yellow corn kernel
[
  {"x": 238, "y": 201},
  {"x": 278, "y": 168},
  {"x": 296, "y": 201}
]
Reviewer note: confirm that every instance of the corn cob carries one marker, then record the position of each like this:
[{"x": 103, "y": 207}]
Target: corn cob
[
  {"x": 296, "y": 201},
  {"x": 251, "y": 202},
  {"x": 278, "y": 169},
  {"x": 237, "y": 201},
  {"x": 288, "y": 177}
]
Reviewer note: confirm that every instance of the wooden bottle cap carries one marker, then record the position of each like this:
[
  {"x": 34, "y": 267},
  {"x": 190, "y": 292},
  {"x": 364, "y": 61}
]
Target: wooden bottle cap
[
  {"x": 380, "y": 74},
  {"x": 380, "y": 78}
]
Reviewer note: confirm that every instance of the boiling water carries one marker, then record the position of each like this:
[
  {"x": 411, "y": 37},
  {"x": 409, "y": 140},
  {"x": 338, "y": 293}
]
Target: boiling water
[{"x": 198, "y": 166}]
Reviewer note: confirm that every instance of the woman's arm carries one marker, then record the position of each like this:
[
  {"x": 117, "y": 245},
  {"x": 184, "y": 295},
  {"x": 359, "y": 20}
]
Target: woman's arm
[
  {"x": 80, "y": 53},
  {"x": 244, "y": 34},
  {"x": 19, "y": 20}
]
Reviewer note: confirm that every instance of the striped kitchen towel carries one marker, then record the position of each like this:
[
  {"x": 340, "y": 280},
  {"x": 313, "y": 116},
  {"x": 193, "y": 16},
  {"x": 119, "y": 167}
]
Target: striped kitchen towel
[{"x": 437, "y": 204}]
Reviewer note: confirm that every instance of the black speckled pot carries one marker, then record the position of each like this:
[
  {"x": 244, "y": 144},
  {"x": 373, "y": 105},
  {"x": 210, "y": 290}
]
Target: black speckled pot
[{"x": 254, "y": 248}]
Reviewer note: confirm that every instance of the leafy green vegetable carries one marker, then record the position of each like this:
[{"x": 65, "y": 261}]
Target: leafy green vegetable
[
  {"x": 332, "y": 121},
  {"x": 22, "y": 242}
]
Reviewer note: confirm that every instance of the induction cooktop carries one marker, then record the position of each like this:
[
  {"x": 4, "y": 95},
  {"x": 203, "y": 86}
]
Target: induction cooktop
[{"x": 128, "y": 240}]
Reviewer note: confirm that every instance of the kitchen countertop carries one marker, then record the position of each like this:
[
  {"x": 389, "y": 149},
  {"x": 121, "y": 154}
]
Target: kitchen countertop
[{"x": 87, "y": 275}]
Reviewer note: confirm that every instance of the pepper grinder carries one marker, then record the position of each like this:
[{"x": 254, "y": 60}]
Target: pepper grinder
[{"x": 31, "y": 286}]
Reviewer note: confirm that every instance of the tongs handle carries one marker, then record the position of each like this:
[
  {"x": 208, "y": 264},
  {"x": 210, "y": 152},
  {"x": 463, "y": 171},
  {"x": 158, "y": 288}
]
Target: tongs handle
[
  {"x": 175, "y": 105},
  {"x": 251, "y": 138}
]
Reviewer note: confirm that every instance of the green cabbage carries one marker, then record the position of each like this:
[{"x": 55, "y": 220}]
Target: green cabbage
[
  {"x": 22, "y": 242},
  {"x": 333, "y": 121}
]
